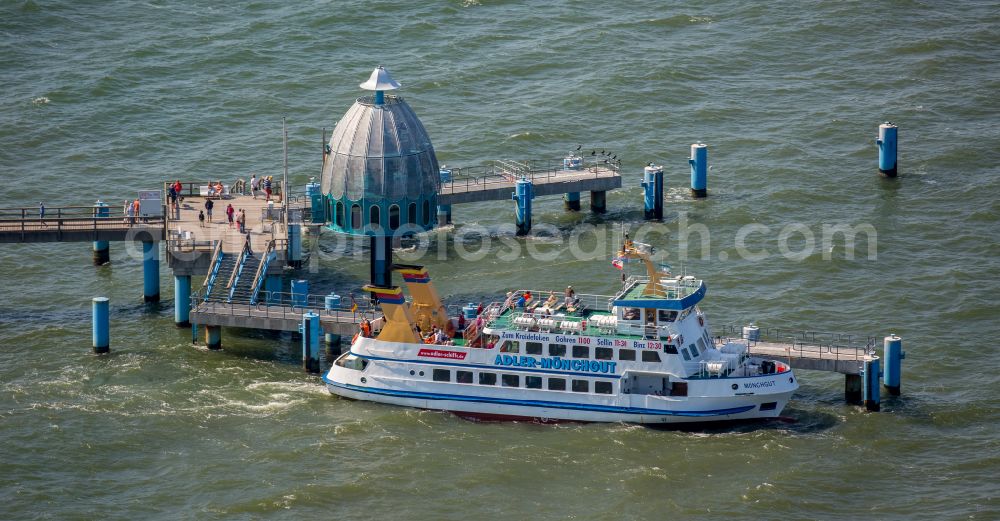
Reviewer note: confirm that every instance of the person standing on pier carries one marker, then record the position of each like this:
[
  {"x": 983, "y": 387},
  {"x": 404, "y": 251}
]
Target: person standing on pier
[
  {"x": 242, "y": 221},
  {"x": 229, "y": 215},
  {"x": 208, "y": 209},
  {"x": 267, "y": 188},
  {"x": 201, "y": 218},
  {"x": 254, "y": 185}
]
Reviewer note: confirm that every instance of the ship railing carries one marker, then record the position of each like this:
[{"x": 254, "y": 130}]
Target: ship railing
[
  {"x": 647, "y": 331},
  {"x": 586, "y": 301}
]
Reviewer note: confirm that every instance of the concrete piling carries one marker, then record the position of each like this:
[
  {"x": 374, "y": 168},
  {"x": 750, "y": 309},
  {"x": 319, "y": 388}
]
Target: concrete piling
[
  {"x": 182, "y": 300},
  {"x": 887, "y": 154},
  {"x": 893, "y": 354},
  {"x": 852, "y": 389},
  {"x": 332, "y": 302},
  {"x": 213, "y": 337},
  {"x": 150, "y": 271},
  {"x": 652, "y": 184},
  {"x": 523, "y": 194},
  {"x": 101, "y": 317},
  {"x": 870, "y": 377},
  {"x": 571, "y": 201},
  {"x": 310, "y": 342},
  {"x": 699, "y": 169},
  {"x": 598, "y": 201}
]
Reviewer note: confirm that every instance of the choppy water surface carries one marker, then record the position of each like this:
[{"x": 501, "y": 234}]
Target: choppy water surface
[{"x": 104, "y": 99}]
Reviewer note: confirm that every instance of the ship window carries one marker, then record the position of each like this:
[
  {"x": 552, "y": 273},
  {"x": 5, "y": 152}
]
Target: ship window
[
  {"x": 581, "y": 386},
  {"x": 374, "y": 217},
  {"x": 679, "y": 389},
  {"x": 487, "y": 379},
  {"x": 510, "y": 380},
  {"x": 557, "y": 350},
  {"x": 631, "y": 314},
  {"x": 393, "y": 217},
  {"x": 411, "y": 213},
  {"x": 339, "y": 214},
  {"x": 602, "y": 387},
  {"x": 349, "y": 361},
  {"x": 604, "y": 353},
  {"x": 533, "y": 348},
  {"x": 708, "y": 339},
  {"x": 701, "y": 344},
  {"x": 533, "y": 382},
  {"x": 769, "y": 406},
  {"x": 511, "y": 346},
  {"x": 355, "y": 217},
  {"x": 670, "y": 349},
  {"x": 463, "y": 377},
  {"x": 557, "y": 384},
  {"x": 626, "y": 354},
  {"x": 427, "y": 212},
  {"x": 581, "y": 351},
  {"x": 684, "y": 352},
  {"x": 441, "y": 375},
  {"x": 694, "y": 351},
  {"x": 650, "y": 356},
  {"x": 667, "y": 316}
]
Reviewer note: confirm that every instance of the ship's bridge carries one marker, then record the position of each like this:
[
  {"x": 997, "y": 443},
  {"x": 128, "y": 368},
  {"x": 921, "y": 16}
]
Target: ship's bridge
[{"x": 672, "y": 293}]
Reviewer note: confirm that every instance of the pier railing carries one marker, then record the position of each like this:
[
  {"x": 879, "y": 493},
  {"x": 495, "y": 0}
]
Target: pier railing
[
  {"x": 285, "y": 305},
  {"x": 806, "y": 344},
  {"x": 505, "y": 172},
  {"x": 72, "y": 218}
]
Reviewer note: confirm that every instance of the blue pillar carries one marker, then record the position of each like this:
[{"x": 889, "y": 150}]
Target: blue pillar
[
  {"x": 295, "y": 245},
  {"x": 272, "y": 285},
  {"x": 300, "y": 292},
  {"x": 444, "y": 210},
  {"x": 699, "y": 169},
  {"x": 102, "y": 249},
  {"x": 332, "y": 303},
  {"x": 652, "y": 184},
  {"x": 572, "y": 201},
  {"x": 182, "y": 300},
  {"x": 150, "y": 271},
  {"x": 871, "y": 384},
  {"x": 310, "y": 342},
  {"x": 213, "y": 337},
  {"x": 887, "y": 149},
  {"x": 101, "y": 324},
  {"x": 598, "y": 201},
  {"x": 893, "y": 355},
  {"x": 523, "y": 194}
]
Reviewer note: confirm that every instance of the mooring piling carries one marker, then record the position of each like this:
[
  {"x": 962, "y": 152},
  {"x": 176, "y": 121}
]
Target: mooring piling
[
  {"x": 887, "y": 153},
  {"x": 310, "y": 342},
  {"x": 599, "y": 201},
  {"x": 182, "y": 300},
  {"x": 652, "y": 184},
  {"x": 893, "y": 353},
  {"x": 150, "y": 271},
  {"x": 102, "y": 249},
  {"x": 870, "y": 378},
  {"x": 571, "y": 201},
  {"x": 213, "y": 337},
  {"x": 699, "y": 169},
  {"x": 522, "y": 196},
  {"x": 101, "y": 316}
]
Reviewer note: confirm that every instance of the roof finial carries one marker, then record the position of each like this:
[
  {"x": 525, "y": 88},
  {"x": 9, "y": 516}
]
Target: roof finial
[{"x": 380, "y": 81}]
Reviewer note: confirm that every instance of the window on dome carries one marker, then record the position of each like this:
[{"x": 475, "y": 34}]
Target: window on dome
[
  {"x": 411, "y": 213},
  {"x": 356, "y": 217},
  {"x": 394, "y": 217},
  {"x": 339, "y": 214},
  {"x": 375, "y": 217}
]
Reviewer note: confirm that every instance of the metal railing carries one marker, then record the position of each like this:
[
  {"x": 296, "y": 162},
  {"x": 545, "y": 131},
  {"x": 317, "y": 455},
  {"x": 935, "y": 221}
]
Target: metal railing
[
  {"x": 261, "y": 270},
  {"x": 808, "y": 344},
  {"x": 72, "y": 219},
  {"x": 213, "y": 266},
  {"x": 501, "y": 173},
  {"x": 285, "y": 305}
]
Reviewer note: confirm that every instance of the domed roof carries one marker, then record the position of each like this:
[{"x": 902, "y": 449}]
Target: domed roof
[{"x": 380, "y": 151}]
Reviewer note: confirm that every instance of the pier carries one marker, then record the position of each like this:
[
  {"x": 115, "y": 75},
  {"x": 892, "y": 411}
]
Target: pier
[{"x": 497, "y": 181}]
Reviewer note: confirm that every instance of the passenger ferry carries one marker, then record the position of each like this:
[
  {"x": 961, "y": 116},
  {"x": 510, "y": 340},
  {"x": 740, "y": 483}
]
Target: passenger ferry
[{"x": 645, "y": 355}]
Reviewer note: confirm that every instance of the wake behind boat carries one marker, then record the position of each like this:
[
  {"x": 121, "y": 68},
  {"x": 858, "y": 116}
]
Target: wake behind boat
[{"x": 644, "y": 355}]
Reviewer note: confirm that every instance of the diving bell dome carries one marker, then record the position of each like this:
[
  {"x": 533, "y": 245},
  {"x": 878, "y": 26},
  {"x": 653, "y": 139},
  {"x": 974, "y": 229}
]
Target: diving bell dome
[{"x": 380, "y": 173}]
